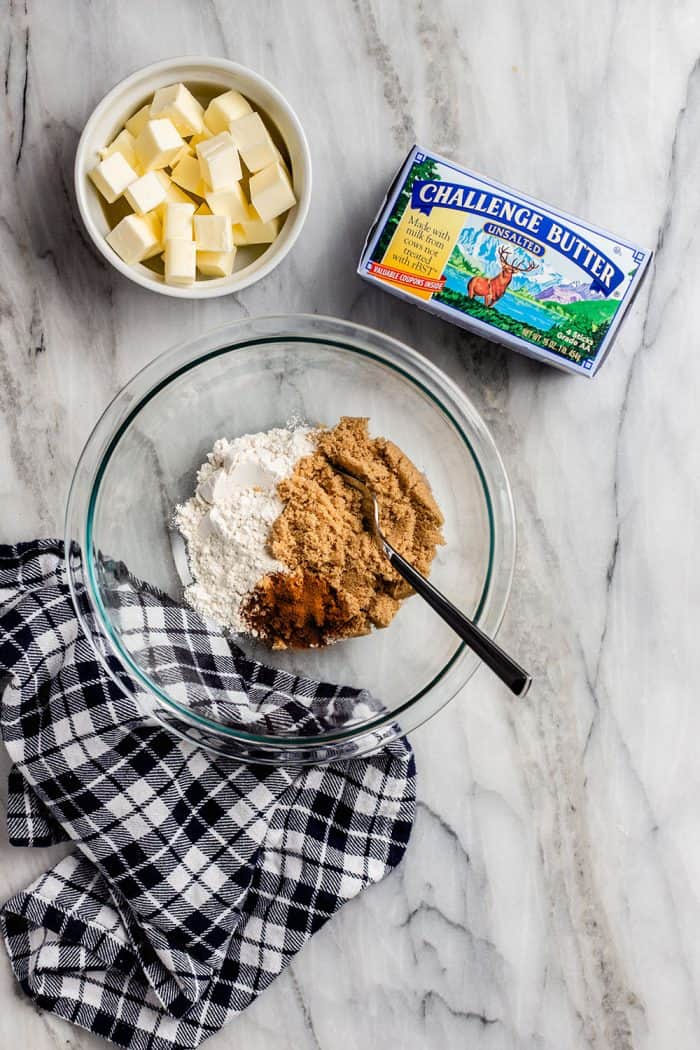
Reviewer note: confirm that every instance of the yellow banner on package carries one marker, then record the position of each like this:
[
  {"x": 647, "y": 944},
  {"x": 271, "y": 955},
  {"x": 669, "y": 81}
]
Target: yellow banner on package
[{"x": 419, "y": 250}]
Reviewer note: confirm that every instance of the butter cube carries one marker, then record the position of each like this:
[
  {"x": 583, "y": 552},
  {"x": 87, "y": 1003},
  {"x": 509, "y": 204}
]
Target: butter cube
[
  {"x": 271, "y": 192},
  {"x": 212, "y": 233},
  {"x": 219, "y": 162},
  {"x": 203, "y": 209},
  {"x": 186, "y": 151},
  {"x": 187, "y": 173},
  {"x": 177, "y": 221},
  {"x": 209, "y": 146},
  {"x": 173, "y": 193},
  {"x": 145, "y": 193},
  {"x": 221, "y": 169},
  {"x": 124, "y": 144},
  {"x": 135, "y": 238},
  {"x": 255, "y": 231},
  {"x": 252, "y": 140},
  {"x": 216, "y": 264},
  {"x": 112, "y": 176},
  {"x": 155, "y": 223},
  {"x": 136, "y": 123},
  {"x": 225, "y": 108},
  {"x": 213, "y": 143},
  {"x": 203, "y": 136},
  {"x": 180, "y": 261},
  {"x": 157, "y": 144},
  {"x": 180, "y": 106},
  {"x": 230, "y": 202}
]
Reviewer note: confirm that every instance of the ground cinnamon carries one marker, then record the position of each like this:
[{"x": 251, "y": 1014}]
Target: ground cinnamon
[
  {"x": 340, "y": 584},
  {"x": 296, "y": 610}
]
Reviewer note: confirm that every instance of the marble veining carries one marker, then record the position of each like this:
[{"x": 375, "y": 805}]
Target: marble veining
[{"x": 549, "y": 899}]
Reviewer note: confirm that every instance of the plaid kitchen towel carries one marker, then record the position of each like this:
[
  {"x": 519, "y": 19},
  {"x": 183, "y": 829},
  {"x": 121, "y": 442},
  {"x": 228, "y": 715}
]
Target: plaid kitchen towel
[{"x": 195, "y": 879}]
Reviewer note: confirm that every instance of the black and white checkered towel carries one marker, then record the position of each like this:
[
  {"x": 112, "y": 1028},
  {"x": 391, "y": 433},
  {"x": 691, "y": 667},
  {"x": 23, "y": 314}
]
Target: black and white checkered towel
[{"x": 195, "y": 879}]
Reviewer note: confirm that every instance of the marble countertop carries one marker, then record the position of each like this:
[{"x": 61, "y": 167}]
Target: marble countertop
[{"x": 549, "y": 898}]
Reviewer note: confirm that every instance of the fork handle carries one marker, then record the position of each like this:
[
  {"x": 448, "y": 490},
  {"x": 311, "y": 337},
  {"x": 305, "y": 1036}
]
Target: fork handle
[{"x": 511, "y": 673}]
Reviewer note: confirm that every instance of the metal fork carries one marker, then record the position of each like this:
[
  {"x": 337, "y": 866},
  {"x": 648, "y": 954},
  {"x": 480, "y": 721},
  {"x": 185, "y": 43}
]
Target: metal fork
[{"x": 511, "y": 673}]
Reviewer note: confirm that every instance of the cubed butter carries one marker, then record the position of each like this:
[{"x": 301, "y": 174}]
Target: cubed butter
[
  {"x": 216, "y": 264},
  {"x": 146, "y": 193},
  {"x": 112, "y": 176},
  {"x": 221, "y": 169},
  {"x": 155, "y": 221},
  {"x": 225, "y": 108},
  {"x": 230, "y": 202},
  {"x": 187, "y": 173},
  {"x": 124, "y": 144},
  {"x": 173, "y": 193},
  {"x": 136, "y": 123},
  {"x": 213, "y": 143},
  {"x": 180, "y": 261},
  {"x": 252, "y": 140},
  {"x": 135, "y": 238},
  {"x": 157, "y": 144},
  {"x": 177, "y": 221},
  {"x": 203, "y": 136},
  {"x": 271, "y": 192},
  {"x": 255, "y": 231},
  {"x": 180, "y": 106},
  {"x": 219, "y": 162},
  {"x": 238, "y": 235},
  {"x": 186, "y": 151},
  {"x": 212, "y": 233},
  {"x": 163, "y": 178}
]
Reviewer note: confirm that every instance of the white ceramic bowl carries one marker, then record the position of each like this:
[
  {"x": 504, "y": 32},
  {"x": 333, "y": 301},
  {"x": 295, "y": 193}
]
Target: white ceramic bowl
[{"x": 205, "y": 77}]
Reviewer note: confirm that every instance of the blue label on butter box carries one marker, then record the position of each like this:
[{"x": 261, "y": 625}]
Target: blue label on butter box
[{"x": 503, "y": 264}]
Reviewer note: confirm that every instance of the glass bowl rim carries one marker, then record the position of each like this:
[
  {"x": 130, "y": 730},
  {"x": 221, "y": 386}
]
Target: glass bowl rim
[{"x": 284, "y": 328}]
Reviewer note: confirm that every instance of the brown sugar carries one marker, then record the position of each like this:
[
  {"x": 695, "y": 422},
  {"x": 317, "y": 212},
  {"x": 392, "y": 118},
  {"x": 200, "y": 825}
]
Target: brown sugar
[{"x": 340, "y": 584}]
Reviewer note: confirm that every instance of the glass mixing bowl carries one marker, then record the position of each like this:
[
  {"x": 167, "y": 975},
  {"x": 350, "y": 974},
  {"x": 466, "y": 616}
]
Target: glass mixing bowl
[{"x": 140, "y": 462}]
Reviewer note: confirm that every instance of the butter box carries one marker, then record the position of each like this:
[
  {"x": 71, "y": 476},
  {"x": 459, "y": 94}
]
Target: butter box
[{"x": 503, "y": 265}]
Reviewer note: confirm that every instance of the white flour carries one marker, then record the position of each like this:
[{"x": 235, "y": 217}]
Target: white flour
[{"x": 226, "y": 523}]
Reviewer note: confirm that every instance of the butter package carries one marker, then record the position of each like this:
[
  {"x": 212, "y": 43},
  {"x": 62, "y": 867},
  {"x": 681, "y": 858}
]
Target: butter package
[{"x": 501, "y": 264}]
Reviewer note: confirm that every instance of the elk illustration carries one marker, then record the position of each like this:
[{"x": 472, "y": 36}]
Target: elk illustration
[{"x": 492, "y": 288}]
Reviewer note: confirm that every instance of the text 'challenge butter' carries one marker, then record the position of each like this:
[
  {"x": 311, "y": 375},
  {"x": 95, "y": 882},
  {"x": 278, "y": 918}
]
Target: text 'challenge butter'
[{"x": 501, "y": 264}]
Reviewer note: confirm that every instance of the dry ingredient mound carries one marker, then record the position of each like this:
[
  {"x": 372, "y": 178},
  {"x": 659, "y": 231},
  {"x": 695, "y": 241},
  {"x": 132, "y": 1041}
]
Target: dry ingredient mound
[
  {"x": 227, "y": 521},
  {"x": 337, "y": 583}
]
